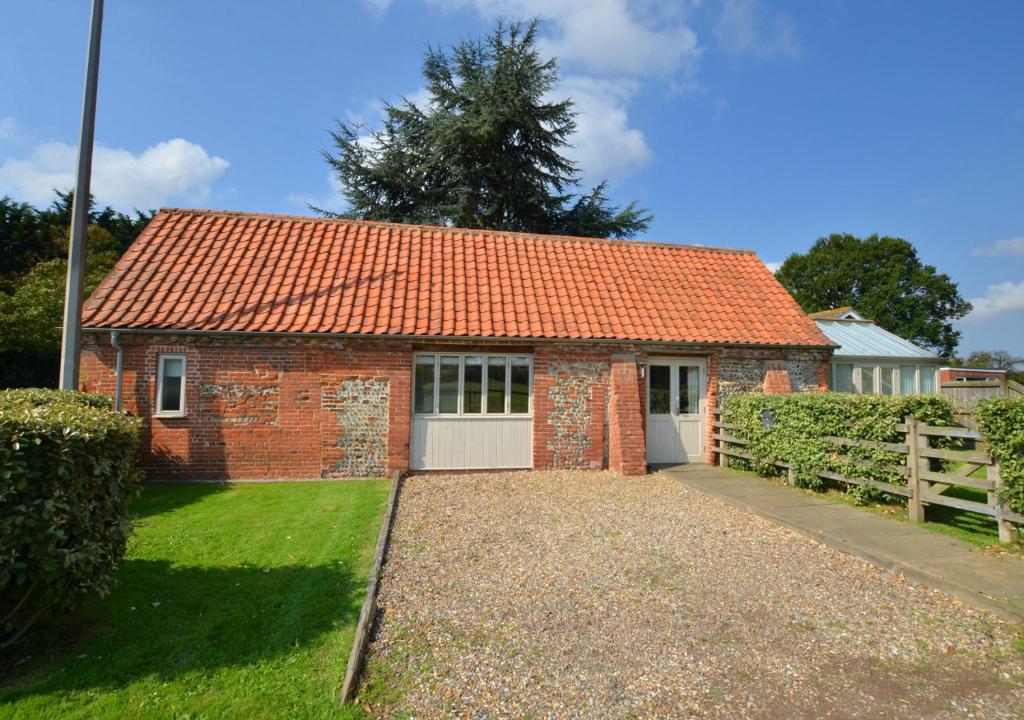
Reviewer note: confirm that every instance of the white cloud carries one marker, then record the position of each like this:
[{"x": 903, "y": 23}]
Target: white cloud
[
  {"x": 605, "y": 37},
  {"x": 7, "y": 128},
  {"x": 421, "y": 98},
  {"x": 1004, "y": 297},
  {"x": 377, "y": 7},
  {"x": 605, "y": 48},
  {"x": 1010, "y": 246},
  {"x": 604, "y": 145},
  {"x": 773, "y": 266},
  {"x": 748, "y": 27},
  {"x": 173, "y": 169},
  {"x": 332, "y": 199}
]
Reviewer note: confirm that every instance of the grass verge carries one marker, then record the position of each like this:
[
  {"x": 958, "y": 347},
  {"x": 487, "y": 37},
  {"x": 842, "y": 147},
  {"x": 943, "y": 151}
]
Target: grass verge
[
  {"x": 974, "y": 528},
  {"x": 233, "y": 601}
]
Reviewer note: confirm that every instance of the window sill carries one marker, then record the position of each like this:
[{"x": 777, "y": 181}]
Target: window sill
[
  {"x": 169, "y": 415},
  {"x": 472, "y": 416}
]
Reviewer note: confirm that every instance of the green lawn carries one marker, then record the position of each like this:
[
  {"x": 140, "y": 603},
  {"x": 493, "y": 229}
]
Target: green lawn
[{"x": 233, "y": 602}]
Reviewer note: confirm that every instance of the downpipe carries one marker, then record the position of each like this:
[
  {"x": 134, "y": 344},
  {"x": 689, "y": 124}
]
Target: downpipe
[{"x": 120, "y": 369}]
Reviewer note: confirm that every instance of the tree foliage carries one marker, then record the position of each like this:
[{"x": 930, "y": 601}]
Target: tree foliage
[
  {"x": 33, "y": 270},
  {"x": 998, "y": 359},
  {"x": 883, "y": 279},
  {"x": 484, "y": 152}
]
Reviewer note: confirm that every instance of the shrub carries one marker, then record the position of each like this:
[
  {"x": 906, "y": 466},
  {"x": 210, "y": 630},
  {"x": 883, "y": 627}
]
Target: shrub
[
  {"x": 67, "y": 472},
  {"x": 39, "y": 397},
  {"x": 802, "y": 420},
  {"x": 1001, "y": 420}
]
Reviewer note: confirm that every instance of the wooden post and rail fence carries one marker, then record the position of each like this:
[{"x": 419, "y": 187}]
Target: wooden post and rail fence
[{"x": 924, "y": 485}]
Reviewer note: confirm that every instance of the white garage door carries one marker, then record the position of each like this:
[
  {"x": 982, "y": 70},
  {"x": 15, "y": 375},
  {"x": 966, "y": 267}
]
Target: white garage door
[{"x": 471, "y": 411}]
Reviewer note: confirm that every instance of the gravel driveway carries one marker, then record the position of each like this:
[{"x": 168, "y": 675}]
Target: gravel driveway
[{"x": 587, "y": 594}]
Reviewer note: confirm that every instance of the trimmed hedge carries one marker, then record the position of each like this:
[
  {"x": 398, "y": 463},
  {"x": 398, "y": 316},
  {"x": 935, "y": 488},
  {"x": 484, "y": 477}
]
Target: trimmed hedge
[
  {"x": 67, "y": 472},
  {"x": 803, "y": 419},
  {"x": 1001, "y": 420},
  {"x": 38, "y": 397}
]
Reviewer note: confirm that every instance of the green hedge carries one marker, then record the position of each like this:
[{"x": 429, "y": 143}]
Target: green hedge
[
  {"x": 39, "y": 396},
  {"x": 1001, "y": 420},
  {"x": 802, "y": 419},
  {"x": 67, "y": 472}
]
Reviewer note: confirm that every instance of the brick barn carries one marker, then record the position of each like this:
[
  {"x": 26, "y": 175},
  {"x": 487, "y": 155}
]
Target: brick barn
[{"x": 263, "y": 346}]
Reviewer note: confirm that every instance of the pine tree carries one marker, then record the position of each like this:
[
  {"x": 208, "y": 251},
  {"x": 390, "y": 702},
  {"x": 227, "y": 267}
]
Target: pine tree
[{"x": 484, "y": 152}]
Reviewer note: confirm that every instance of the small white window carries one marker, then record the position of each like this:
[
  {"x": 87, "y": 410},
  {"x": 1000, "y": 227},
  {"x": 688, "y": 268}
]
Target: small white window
[{"x": 170, "y": 386}]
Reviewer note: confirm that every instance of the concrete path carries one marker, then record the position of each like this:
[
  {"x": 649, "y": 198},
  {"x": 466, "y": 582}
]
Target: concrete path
[{"x": 995, "y": 583}]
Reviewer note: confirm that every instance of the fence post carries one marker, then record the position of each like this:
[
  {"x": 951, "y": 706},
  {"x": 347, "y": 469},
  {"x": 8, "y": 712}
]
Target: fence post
[
  {"x": 1007, "y": 534},
  {"x": 723, "y": 459},
  {"x": 915, "y": 509}
]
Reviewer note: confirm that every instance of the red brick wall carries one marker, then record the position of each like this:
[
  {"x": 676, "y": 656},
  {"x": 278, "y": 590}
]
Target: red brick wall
[
  {"x": 823, "y": 373},
  {"x": 255, "y": 407},
  {"x": 951, "y": 374},
  {"x": 776, "y": 379},
  {"x": 262, "y": 407},
  {"x": 712, "y": 401},
  {"x": 627, "y": 450}
]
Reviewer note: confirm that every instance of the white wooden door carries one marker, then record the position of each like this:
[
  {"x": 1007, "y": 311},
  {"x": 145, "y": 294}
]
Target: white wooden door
[{"x": 676, "y": 391}]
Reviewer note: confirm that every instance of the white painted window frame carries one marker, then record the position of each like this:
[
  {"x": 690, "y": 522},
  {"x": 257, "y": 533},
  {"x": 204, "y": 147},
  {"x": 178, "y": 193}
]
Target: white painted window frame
[
  {"x": 876, "y": 373},
  {"x": 483, "y": 414},
  {"x": 895, "y": 380},
  {"x": 936, "y": 385},
  {"x": 161, "y": 361},
  {"x": 675, "y": 361}
]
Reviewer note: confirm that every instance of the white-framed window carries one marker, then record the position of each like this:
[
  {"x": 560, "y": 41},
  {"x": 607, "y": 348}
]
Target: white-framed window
[
  {"x": 908, "y": 379},
  {"x": 170, "y": 385},
  {"x": 471, "y": 384},
  {"x": 879, "y": 379},
  {"x": 864, "y": 379},
  {"x": 927, "y": 379},
  {"x": 842, "y": 377}
]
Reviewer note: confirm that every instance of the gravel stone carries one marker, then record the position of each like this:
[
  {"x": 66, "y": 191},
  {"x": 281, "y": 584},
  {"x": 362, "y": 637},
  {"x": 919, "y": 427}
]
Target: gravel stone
[{"x": 571, "y": 594}]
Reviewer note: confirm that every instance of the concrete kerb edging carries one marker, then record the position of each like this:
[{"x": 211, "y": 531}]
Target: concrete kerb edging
[
  {"x": 1005, "y": 611},
  {"x": 368, "y": 613}
]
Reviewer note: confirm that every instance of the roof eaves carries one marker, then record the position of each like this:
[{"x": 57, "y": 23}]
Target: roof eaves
[{"x": 461, "y": 338}]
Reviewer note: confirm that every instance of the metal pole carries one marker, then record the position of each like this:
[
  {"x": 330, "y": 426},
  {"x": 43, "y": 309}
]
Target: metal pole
[{"x": 72, "y": 331}]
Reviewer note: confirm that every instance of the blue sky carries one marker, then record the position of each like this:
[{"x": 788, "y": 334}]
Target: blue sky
[{"x": 741, "y": 123}]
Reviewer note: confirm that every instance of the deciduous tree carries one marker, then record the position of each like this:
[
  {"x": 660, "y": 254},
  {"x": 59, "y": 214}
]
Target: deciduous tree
[
  {"x": 883, "y": 279},
  {"x": 33, "y": 267}
]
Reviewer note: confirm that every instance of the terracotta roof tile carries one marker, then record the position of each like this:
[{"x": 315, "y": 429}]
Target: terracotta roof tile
[{"x": 224, "y": 271}]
